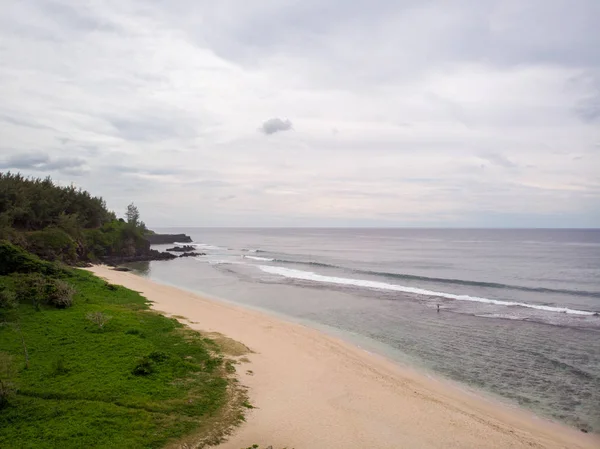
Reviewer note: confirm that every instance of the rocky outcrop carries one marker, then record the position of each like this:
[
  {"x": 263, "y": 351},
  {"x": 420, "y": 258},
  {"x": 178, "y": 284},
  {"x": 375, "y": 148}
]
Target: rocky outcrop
[
  {"x": 161, "y": 239},
  {"x": 122, "y": 269},
  {"x": 147, "y": 256},
  {"x": 192, "y": 254},
  {"x": 181, "y": 249}
]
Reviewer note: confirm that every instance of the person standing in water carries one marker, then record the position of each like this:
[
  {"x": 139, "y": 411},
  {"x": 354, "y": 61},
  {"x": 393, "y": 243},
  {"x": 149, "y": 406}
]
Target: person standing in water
[{"x": 438, "y": 308}]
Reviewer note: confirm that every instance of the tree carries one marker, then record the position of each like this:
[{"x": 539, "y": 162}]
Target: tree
[{"x": 133, "y": 215}]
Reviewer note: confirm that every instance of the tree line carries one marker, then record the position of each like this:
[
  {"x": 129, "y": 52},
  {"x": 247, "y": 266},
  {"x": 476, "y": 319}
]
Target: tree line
[{"x": 65, "y": 223}]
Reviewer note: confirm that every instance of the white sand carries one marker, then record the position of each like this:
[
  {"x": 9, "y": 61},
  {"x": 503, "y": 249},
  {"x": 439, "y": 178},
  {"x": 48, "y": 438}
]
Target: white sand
[{"x": 314, "y": 391}]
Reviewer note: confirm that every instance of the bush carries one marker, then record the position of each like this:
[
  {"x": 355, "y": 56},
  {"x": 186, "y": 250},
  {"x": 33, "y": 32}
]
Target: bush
[
  {"x": 59, "y": 367},
  {"x": 52, "y": 244},
  {"x": 39, "y": 289},
  {"x": 30, "y": 288},
  {"x": 143, "y": 367},
  {"x": 59, "y": 294},
  {"x": 158, "y": 356},
  {"x": 8, "y": 299},
  {"x": 98, "y": 318},
  {"x": 16, "y": 260}
]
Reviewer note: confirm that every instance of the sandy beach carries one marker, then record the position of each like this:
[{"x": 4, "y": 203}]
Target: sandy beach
[{"x": 312, "y": 390}]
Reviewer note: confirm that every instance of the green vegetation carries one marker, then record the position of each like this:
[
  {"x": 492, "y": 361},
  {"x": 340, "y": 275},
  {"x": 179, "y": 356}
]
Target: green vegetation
[
  {"x": 105, "y": 372},
  {"x": 84, "y": 363},
  {"x": 65, "y": 223}
]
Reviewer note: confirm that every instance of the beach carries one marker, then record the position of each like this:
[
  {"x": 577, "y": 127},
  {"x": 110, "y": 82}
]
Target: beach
[{"x": 312, "y": 390}]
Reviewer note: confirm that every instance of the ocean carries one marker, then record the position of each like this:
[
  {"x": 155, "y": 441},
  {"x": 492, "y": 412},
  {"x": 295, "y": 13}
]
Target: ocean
[{"x": 518, "y": 309}]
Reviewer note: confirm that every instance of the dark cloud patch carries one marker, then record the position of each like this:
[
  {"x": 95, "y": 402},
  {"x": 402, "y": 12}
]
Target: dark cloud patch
[
  {"x": 75, "y": 146},
  {"x": 21, "y": 122},
  {"x": 498, "y": 159},
  {"x": 150, "y": 129},
  {"x": 43, "y": 162},
  {"x": 126, "y": 169},
  {"x": 76, "y": 18},
  {"x": 589, "y": 110},
  {"x": 275, "y": 124},
  {"x": 200, "y": 178}
]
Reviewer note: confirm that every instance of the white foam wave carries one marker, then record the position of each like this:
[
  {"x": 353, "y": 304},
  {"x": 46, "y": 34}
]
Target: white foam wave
[
  {"x": 221, "y": 261},
  {"x": 261, "y": 259},
  {"x": 200, "y": 245},
  {"x": 314, "y": 277}
]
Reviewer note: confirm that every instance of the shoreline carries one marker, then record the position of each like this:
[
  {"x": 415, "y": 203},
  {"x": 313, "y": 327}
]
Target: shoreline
[{"x": 314, "y": 390}]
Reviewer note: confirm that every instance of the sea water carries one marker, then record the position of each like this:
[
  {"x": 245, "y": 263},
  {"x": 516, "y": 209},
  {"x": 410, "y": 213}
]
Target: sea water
[{"x": 518, "y": 309}]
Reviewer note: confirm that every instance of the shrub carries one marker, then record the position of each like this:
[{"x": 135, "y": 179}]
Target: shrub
[
  {"x": 7, "y": 387},
  {"x": 59, "y": 367},
  {"x": 52, "y": 244},
  {"x": 14, "y": 259},
  {"x": 98, "y": 318},
  {"x": 30, "y": 288},
  {"x": 8, "y": 299},
  {"x": 158, "y": 356},
  {"x": 111, "y": 287},
  {"x": 41, "y": 289},
  {"x": 134, "y": 332},
  {"x": 143, "y": 367},
  {"x": 59, "y": 294}
]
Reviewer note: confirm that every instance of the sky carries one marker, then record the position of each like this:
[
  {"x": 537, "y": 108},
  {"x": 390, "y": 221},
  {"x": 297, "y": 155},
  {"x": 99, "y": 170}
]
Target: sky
[{"x": 448, "y": 113}]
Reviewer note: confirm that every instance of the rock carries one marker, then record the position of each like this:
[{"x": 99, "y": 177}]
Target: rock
[
  {"x": 159, "y": 239},
  {"x": 181, "y": 249},
  {"x": 192, "y": 254},
  {"x": 121, "y": 269},
  {"x": 151, "y": 254}
]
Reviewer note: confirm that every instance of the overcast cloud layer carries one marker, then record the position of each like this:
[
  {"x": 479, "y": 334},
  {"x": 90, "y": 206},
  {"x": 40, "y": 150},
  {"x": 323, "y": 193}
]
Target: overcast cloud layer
[{"x": 322, "y": 113}]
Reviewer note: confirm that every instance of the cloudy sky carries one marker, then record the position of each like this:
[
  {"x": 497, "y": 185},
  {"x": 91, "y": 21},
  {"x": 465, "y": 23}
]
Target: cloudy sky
[{"x": 312, "y": 112}]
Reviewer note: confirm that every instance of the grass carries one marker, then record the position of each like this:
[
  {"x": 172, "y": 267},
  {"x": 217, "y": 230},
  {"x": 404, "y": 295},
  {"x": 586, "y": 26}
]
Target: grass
[{"x": 138, "y": 380}]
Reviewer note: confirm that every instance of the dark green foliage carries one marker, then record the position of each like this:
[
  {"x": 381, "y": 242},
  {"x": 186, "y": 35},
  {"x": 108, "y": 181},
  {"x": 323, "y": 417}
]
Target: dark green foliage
[
  {"x": 158, "y": 356},
  {"x": 52, "y": 243},
  {"x": 7, "y": 386},
  {"x": 8, "y": 298},
  {"x": 34, "y": 204},
  {"x": 59, "y": 366},
  {"x": 143, "y": 367},
  {"x": 16, "y": 260},
  {"x": 115, "y": 238},
  {"x": 65, "y": 223}
]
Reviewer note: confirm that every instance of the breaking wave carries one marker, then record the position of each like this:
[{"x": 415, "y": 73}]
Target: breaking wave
[{"x": 314, "y": 277}]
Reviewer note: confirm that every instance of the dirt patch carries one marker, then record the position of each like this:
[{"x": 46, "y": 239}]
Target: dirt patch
[{"x": 229, "y": 346}]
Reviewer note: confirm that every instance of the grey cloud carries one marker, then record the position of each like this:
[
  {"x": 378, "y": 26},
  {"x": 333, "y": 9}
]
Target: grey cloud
[
  {"x": 167, "y": 125},
  {"x": 26, "y": 161},
  {"x": 589, "y": 110},
  {"x": 144, "y": 130},
  {"x": 75, "y": 17},
  {"x": 345, "y": 50},
  {"x": 42, "y": 162},
  {"x": 394, "y": 96},
  {"x": 22, "y": 122},
  {"x": 498, "y": 159},
  {"x": 184, "y": 176},
  {"x": 276, "y": 124}
]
